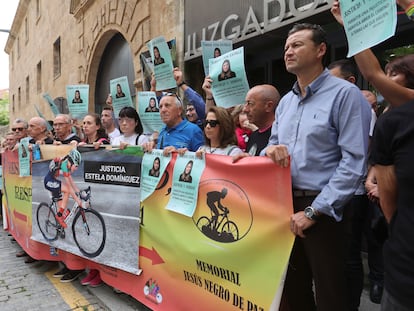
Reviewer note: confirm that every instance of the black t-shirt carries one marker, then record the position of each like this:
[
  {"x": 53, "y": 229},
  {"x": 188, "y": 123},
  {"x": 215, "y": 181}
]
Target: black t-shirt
[
  {"x": 69, "y": 139},
  {"x": 393, "y": 144},
  {"x": 258, "y": 141}
]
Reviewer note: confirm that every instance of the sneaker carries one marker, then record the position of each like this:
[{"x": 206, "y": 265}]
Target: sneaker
[
  {"x": 71, "y": 276},
  {"x": 61, "y": 221},
  {"x": 61, "y": 272},
  {"x": 91, "y": 275},
  {"x": 97, "y": 281}
]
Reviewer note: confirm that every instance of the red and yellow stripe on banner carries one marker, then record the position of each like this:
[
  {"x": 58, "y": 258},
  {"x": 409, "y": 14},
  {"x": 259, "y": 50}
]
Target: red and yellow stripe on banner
[{"x": 187, "y": 265}]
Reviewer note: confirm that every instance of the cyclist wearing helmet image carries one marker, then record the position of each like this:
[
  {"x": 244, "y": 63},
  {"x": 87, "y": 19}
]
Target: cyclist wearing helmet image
[
  {"x": 212, "y": 198},
  {"x": 61, "y": 189}
]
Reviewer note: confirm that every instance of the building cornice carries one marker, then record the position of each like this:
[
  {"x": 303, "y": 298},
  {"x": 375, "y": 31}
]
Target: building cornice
[{"x": 21, "y": 12}]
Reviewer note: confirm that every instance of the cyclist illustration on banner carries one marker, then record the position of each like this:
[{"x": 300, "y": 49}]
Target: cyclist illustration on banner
[
  {"x": 88, "y": 226},
  {"x": 223, "y": 229},
  {"x": 62, "y": 190},
  {"x": 152, "y": 291}
]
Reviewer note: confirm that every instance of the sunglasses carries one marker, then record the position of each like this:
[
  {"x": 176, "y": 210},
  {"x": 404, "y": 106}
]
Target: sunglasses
[
  {"x": 213, "y": 123},
  {"x": 18, "y": 129},
  {"x": 178, "y": 97}
]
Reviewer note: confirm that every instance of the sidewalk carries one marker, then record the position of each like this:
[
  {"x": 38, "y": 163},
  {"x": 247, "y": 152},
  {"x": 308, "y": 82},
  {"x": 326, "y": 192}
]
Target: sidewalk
[
  {"x": 26, "y": 287},
  {"x": 114, "y": 302},
  {"x": 29, "y": 286}
]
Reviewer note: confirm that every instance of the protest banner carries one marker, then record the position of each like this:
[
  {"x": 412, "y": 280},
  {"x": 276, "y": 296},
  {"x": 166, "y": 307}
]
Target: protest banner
[
  {"x": 121, "y": 94},
  {"x": 368, "y": 23},
  {"x": 163, "y": 64},
  {"x": 52, "y": 104},
  {"x": 149, "y": 112},
  {"x": 78, "y": 100},
  {"x": 230, "y": 84},
  {"x": 213, "y": 49},
  {"x": 233, "y": 262},
  {"x": 147, "y": 66}
]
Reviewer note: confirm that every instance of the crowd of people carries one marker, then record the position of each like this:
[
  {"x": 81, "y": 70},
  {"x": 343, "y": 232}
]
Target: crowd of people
[{"x": 348, "y": 180}]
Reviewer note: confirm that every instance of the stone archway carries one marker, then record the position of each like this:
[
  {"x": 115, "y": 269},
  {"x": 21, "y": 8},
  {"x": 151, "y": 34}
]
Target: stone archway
[{"x": 113, "y": 59}]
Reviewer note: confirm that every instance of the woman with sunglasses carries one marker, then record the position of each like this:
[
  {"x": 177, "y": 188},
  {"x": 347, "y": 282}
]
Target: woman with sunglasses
[{"x": 219, "y": 133}]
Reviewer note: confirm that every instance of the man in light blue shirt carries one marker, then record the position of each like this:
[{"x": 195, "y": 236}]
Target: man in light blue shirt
[{"x": 318, "y": 129}]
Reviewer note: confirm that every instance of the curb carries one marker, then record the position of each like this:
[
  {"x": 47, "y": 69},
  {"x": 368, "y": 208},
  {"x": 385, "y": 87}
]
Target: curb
[{"x": 113, "y": 301}]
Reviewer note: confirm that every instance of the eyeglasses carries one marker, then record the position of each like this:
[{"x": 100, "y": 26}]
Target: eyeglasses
[
  {"x": 20, "y": 129},
  {"x": 213, "y": 123},
  {"x": 178, "y": 97},
  {"x": 189, "y": 109}
]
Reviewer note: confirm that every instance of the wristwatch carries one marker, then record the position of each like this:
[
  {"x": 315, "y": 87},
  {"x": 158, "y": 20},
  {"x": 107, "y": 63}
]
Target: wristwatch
[{"x": 311, "y": 213}]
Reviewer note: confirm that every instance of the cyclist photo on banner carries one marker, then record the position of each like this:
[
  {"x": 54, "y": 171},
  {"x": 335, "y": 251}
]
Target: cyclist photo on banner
[
  {"x": 88, "y": 226},
  {"x": 62, "y": 189},
  {"x": 84, "y": 200}
]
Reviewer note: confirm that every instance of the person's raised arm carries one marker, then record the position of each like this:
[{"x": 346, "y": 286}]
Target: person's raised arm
[
  {"x": 154, "y": 87},
  {"x": 193, "y": 97},
  {"x": 179, "y": 79},
  {"x": 370, "y": 68},
  {"x": 405, "y": 4},
  {"x": 209, "y": 94}
]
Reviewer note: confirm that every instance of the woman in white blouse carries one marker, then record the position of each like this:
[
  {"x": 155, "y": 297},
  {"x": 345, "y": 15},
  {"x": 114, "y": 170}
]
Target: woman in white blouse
[{"x": 131, "y": 128}]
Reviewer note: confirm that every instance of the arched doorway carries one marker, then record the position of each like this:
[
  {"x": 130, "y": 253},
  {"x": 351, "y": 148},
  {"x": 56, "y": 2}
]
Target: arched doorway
[{"x": 116, "y": 61}]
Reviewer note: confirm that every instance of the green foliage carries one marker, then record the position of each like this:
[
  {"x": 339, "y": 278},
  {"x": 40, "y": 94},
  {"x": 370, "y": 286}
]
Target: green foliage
[
  {"x": 389, "y": 55},
  {"x": 4, "y": 111}
]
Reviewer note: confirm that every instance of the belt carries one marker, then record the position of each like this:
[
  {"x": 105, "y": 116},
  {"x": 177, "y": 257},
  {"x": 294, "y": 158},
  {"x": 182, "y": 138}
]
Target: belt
[{"x": 305, "y": 193}]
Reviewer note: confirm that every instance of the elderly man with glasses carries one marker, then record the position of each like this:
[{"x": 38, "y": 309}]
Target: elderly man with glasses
[
  {"x": 62, "y": 126},
  {"x": 19, "y": 127}
]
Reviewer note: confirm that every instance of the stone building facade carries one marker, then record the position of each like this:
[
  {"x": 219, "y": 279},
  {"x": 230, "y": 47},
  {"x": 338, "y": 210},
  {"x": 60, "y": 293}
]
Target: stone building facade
[
  {"x": 57, "y": 43},
  {"x": 54, "y": 43}
]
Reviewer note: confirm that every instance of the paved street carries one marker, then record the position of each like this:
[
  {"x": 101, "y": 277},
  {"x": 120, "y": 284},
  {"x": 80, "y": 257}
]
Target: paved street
[{"x": 32, "y": 287}]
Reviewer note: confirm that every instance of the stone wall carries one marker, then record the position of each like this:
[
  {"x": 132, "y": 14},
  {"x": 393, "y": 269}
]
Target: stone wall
[{"x": 83, "y": 28}]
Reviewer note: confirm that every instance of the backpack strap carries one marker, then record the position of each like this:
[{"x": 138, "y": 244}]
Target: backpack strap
[{"x": 231, "y": 149}]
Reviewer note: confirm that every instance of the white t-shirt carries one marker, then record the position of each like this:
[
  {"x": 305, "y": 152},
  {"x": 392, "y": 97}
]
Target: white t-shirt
[
  {"x": 132, "y": 140},
  {"x": 113, "y": 134}
]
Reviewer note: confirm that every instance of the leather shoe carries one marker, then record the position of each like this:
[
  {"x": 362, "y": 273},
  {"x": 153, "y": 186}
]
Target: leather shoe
[
  {"x": 375, "y": 293},
  {"x": 21, "y": 254},
  {"x": 30, "y": 260}
]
